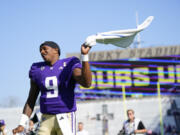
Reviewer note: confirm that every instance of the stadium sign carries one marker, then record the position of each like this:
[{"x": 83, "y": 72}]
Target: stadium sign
[
  {"x": 136, "y": 78},
  {"x": 131, "y": 53},
  {"x": 138, "y": 70}
]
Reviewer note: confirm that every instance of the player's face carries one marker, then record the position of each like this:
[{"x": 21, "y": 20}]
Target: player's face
[
  {"x": 2, "y": 128},
  {"x": 130, "y": 115},
  {"x": 48, "y": 53}
]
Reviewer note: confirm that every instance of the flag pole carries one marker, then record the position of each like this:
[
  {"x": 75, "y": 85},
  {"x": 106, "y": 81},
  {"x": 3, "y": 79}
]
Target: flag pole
[
  {"x": 124, "y": 101},
  {"x": 138, "y": 35},
  {"x": 160, "y": 108}
]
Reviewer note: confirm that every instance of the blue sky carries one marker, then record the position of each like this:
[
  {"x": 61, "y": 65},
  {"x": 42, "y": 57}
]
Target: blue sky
[{"x": 25, "y": 25}]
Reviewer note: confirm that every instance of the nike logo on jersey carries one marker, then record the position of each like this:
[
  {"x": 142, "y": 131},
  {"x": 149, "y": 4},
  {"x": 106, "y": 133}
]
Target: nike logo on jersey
[
  {"x": 42, "y": 68},
  {"x": 61, "y": 67}
]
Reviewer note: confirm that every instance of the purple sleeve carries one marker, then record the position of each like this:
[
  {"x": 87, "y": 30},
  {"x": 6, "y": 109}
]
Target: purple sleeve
[
  {"x": 32, "y": 72},
  {"x": 76, "y": 63}
]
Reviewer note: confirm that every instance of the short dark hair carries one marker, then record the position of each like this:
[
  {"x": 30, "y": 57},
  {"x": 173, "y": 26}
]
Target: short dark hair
[
  {"x": 130, "y": 110},
  {"x": 80, "y": 123},
  {"x": 51, "y": 44},
  {"x": 2, "y": 123}
]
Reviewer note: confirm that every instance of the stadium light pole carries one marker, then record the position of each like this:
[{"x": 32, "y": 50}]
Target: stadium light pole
[
  {"x": 160, "y": 108},
  {"x": 124, "y": 101}
]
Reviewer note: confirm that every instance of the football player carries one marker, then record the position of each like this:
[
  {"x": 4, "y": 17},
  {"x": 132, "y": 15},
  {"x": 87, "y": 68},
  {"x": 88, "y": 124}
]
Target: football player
[{"x": 55, "y": 79}]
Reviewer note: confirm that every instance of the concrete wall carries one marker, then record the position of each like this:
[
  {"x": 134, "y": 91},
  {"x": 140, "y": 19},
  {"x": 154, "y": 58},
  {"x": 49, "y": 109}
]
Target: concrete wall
[{"x": 146, "y": 109}]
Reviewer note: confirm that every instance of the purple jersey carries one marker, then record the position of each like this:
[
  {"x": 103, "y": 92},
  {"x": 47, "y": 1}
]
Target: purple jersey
[{"x": 56, "y": 84}]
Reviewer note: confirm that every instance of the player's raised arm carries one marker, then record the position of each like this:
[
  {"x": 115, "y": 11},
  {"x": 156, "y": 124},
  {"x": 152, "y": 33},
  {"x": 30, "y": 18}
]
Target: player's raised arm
[
  {"x": 83, "y": 76},
  {"x": 28, "y": 107}
]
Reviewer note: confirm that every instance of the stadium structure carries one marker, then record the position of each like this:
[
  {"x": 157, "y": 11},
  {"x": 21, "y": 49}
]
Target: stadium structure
[{"x": 138, "y": 71}]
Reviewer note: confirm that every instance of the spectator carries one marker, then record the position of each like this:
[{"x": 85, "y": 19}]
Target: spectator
[
  {"x": 168, "y": 129},
  {"x": 3, "y": 131},
  {"x": 133, "y": 125},
  {"x": 174, "y": 132},
  {"x": 34, "y": 123},
  {"x": 81, "y": 130}
]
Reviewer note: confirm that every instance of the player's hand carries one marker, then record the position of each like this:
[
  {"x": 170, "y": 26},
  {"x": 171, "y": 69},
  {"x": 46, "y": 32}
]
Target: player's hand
[
  {"x": 18, "y": 130},
  {"x": 85, "y": 49}
]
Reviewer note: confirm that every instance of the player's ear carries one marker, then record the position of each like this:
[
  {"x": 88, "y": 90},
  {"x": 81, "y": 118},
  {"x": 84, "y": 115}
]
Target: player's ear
[{"x": 57, "y": 50}]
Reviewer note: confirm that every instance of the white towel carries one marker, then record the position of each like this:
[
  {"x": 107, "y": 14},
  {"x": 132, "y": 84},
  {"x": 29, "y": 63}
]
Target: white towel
[{"x": 120, "y": 38}]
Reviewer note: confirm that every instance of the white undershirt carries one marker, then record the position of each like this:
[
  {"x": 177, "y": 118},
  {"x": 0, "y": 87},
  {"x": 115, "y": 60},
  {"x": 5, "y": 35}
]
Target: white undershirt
[{"x": 82, "y": 132}]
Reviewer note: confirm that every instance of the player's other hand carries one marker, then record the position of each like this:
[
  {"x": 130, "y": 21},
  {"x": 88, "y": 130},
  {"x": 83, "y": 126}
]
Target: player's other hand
[
  {"x": 85, "y": 49},
  {"x": 18, "y": 130}
]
